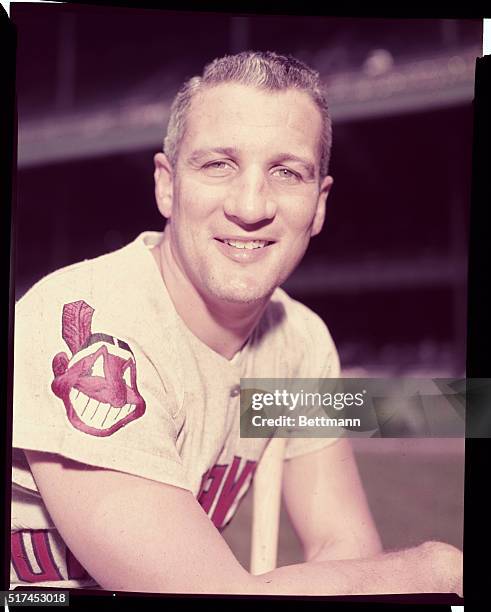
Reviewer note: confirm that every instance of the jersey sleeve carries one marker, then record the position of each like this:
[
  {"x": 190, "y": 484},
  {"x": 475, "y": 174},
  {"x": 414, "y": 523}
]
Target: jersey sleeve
[
  {"x": 89, "y": 396},
  {"x": 320, "y": 360}
]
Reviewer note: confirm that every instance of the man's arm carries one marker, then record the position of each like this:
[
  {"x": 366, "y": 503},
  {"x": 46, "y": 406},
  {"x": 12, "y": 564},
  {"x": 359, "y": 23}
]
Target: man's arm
[
  {"x": 139, "y": 535},
  {"x": 327, "y": 505}
]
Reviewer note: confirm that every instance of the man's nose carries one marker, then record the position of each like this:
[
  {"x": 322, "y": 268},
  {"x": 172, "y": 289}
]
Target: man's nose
[{"x": 251, "y": 200}]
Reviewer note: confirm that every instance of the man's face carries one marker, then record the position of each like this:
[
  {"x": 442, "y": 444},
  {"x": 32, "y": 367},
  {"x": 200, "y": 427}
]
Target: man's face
[{"x": 244, "y": 198}]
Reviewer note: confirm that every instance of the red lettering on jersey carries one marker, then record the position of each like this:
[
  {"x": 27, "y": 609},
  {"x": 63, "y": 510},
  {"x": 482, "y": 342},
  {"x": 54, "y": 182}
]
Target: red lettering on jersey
[
  {"x": 42, "y": 554},
  {"x": 232, "y": 486},
  {"x": 206, "y": 497},
  {"x": 74, "y": 569}
]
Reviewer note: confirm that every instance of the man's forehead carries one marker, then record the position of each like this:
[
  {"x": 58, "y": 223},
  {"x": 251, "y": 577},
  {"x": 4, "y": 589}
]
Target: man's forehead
[{"x": 224, "y": 114}]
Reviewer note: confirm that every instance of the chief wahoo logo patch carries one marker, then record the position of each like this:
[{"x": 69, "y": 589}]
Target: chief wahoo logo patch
[{"x": 98, "y": 382}]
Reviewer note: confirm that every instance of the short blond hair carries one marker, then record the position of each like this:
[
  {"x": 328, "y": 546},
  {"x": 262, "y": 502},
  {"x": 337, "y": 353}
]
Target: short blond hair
[{"x": 265, "y": 70}]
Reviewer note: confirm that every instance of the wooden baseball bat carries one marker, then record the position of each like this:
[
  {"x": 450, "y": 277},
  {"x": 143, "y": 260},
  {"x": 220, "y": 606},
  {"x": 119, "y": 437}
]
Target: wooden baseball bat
[{"x": 266, "y": 507}]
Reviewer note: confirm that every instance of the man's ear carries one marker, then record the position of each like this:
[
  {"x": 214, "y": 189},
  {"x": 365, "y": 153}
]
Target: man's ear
[
  {"x": 163, "y": 176},
  {"x": 320, "y": 212}
]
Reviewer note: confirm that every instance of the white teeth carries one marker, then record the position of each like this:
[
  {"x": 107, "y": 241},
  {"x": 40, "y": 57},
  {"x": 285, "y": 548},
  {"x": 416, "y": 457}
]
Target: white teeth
[
  {"x": 250, "y": 244},
  {"x": 98, "y": 414}
]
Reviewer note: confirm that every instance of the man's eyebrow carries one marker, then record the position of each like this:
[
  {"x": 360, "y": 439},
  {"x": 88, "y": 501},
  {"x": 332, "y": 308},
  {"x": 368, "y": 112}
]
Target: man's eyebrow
[{"x": 198, "y": 154}]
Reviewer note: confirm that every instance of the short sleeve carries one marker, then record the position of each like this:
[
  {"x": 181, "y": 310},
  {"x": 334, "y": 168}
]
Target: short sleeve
[
  {"x": 89, "y": 396},
  {"x": 321, "y": 361}
]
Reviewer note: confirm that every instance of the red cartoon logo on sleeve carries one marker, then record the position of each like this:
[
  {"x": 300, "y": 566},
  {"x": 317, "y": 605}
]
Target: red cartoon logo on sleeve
[{"x": 98, "y": 383}]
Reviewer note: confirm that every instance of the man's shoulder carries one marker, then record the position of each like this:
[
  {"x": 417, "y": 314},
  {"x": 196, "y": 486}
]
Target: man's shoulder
[
  {"x": 117, "y": 298},
  {"x": 115, "y": 289},
  {"x": 109, "y": 275}
]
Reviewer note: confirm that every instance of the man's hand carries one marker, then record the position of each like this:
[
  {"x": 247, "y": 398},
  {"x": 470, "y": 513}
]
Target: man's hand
[
  {"x": 445, "y": 563},
  {"x": 435, "y": 566},
  {"x": 432, "y": 567}
]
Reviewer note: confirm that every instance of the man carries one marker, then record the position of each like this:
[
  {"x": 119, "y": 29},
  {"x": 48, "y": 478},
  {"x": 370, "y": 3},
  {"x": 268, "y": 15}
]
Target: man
[{"x": 127, "y": 459}]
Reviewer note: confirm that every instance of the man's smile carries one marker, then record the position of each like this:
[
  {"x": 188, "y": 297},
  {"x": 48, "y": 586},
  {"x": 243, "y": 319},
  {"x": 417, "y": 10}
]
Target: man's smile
[
  {"x": 246, "y": 244},
  {"x": 244, "y": 251}
]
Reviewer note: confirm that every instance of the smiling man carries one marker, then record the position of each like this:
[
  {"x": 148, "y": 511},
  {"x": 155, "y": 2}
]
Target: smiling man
[{"x": 127, "y": 456}]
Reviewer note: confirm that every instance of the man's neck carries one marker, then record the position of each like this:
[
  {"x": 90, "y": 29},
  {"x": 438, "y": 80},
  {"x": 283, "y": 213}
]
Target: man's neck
[{"x": 223, "y": 326}]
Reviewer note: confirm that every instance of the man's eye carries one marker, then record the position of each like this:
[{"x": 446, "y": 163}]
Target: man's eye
[
  {"x": 217, "y": 168},
  {"x": 217, "y": 164},
  {"x": 286, "y": 175}
]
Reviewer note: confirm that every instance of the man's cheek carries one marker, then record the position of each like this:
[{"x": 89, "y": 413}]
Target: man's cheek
[
  {"x": 197, "y": 197},
  {"x": 300, "y": 216}
]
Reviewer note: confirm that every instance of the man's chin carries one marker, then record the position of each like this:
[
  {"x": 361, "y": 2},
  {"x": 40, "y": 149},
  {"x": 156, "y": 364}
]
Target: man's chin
[
  {"x": 244, "y": 299},
  {"x": 241, "y": 294}
]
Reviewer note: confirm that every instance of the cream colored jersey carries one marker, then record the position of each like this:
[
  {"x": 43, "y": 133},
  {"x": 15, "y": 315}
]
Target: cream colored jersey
[{"x": 107, "y": 374}]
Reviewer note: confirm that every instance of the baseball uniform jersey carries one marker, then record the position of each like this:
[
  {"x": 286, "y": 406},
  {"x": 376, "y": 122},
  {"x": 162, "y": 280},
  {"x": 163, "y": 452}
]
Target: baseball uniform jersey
[{"x": 106, "y": 373}]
